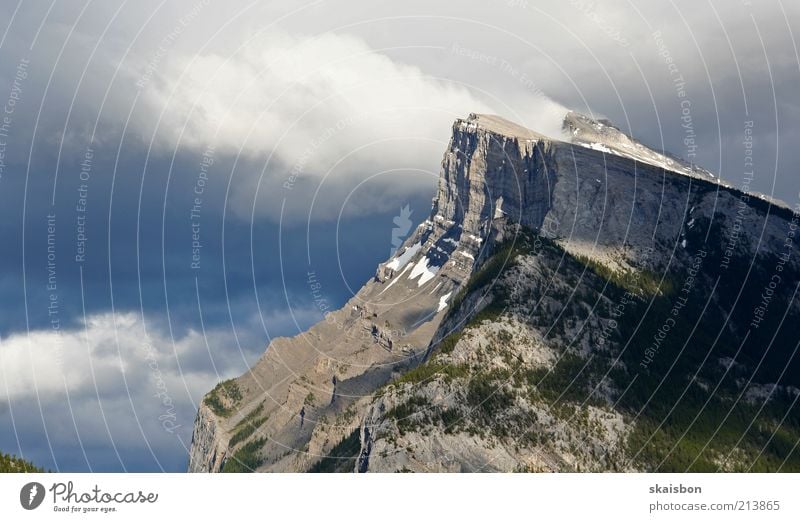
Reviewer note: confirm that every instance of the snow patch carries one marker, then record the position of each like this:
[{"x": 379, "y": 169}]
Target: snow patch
[
  {"x": 601, "y": 148},
  {"x": 443, "y": 301},
  {"x": 423, "y": 271},
  {"x": 398, "y": 262}
]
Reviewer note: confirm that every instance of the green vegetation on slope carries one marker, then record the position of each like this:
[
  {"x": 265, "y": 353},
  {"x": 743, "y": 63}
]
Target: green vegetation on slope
[
  {"x": 248, "y": 425},
  {"x": 246, "y": 459},
  {"x": 704, "y": 422},
  {"x": 342, "y": 457},
  {"x": 223, "y": 398},
  {"x": 12, "y": 464},
  {"x": 641, "y": 282},
  {"x": 689, "y": 410},
  {"x": 492, "y": 268}
]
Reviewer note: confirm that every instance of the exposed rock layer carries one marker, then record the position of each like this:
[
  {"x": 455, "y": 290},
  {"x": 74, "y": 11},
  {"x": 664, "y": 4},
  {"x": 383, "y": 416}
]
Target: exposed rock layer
[{"x": 621, "y": 208}]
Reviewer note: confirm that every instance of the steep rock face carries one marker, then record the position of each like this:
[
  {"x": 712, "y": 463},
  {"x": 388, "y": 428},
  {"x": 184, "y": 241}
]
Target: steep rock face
[
  {"x": 494, "y": 168},
  {"x": 208, "y": 449},
  {"x": 598, "y": 204},
  {"x": 610, "y": 206},
  {"x": 608, "y": 332},
  {"x": 613, "y": 216}
]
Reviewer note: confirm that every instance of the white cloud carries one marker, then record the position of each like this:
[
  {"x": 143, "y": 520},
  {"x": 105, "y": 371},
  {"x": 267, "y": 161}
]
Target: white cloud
[
  {"x": 110, "y": 384},
  {"x": 311, "y": 107},
  {"x": 118, "y": 386},
  {"x": 266, "y": 95},
  {"x": 100, "y": 355}
]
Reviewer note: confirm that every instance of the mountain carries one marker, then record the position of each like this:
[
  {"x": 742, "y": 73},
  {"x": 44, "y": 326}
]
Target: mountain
[
  {"x": 602, "y": 135},
  {"x": 574, "y": 304}
]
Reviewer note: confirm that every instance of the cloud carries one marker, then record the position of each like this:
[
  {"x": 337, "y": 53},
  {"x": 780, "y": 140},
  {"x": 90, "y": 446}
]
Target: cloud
[
  {"x": 117, "y": 382},
  {"x": 312, "y": 110},
  {"x": 108, "y": 350},
  {"x": 297, "y": 89}
]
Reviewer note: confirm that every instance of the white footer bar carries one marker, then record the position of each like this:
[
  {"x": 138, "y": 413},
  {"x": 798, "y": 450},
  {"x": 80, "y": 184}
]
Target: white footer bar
[{"x": 400, "y": 497}]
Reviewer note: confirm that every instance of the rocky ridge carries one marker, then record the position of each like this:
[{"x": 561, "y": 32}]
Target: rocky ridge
[{"x": 459, "y": 354}]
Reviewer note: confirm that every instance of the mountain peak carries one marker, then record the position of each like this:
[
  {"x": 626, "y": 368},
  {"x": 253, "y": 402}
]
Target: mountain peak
[
  {"x": 602, "y": 135},
  {"x": 597, "y": 134},
  {"x": 613, "y": 209},
  {"x": 499, "y": 125}
]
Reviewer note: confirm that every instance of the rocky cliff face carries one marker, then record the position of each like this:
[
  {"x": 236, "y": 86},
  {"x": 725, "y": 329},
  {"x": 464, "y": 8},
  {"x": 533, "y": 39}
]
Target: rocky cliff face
[
  {"x": 209, "y": 448},
  {"x": 522, "y": 326}
]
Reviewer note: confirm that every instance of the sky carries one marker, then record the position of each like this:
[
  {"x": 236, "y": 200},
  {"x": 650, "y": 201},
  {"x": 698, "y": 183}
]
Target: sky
[{"x": 173, "y": 173}]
